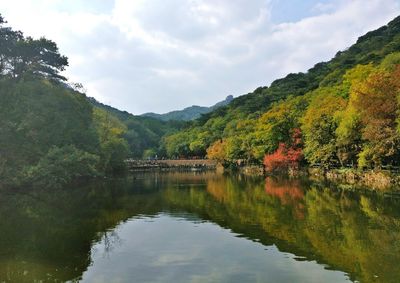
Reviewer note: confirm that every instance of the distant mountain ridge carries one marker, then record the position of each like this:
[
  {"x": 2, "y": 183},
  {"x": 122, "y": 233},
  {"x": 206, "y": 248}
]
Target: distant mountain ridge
[{"x": 188, "y": 113}]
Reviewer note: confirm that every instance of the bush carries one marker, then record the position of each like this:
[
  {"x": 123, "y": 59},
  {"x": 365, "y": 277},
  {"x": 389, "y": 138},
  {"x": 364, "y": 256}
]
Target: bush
[
  {"x": 286, "y": 157},
  {"x": 60, "y": 166}
]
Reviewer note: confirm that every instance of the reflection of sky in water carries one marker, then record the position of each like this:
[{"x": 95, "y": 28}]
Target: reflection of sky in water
[{"x": 169, "y": 248}]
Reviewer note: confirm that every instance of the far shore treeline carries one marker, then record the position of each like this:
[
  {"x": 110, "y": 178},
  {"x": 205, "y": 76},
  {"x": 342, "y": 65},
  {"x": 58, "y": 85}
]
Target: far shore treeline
[{"x": 344, "y": 112}]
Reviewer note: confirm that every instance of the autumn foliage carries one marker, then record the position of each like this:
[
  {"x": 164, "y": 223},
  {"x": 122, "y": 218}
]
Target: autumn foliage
[
  {"x": 285, "y": 157},
  {"x": 289, "y": 192},
  {"x": 377, "y": 102},
  {"x": 217, "y": 151}
]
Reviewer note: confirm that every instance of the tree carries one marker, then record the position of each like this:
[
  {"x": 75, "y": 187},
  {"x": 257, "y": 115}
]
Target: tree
[
  {"x": 177, "y": 145},
  {"x": 319, "y": 126},
  {"x": 37, "y": 115},
  {"x": 286, "y": 156},
  {"x": 60, "y": 166},
  {"x": 217, "y": 151},
  {"x": 8, "y": 45},
  {"x": 114, "y": 148},
  {"x": 39, "y": 57},
  {"x": 377, "y": 102},
  {"x": 391, "y": 61},
  {"x": 348, "y": 132},
  {"x": 20, "y": 55},
  {"x": 276, "y": 125}
]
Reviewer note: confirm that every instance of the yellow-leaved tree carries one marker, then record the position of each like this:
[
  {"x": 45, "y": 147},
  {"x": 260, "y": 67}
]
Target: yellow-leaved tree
[{"x": 114, "y": 148}]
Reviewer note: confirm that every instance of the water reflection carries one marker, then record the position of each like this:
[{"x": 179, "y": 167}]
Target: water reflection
[
  {"x": 189, "y": 251},
  {"x": 153, "y": 221}
]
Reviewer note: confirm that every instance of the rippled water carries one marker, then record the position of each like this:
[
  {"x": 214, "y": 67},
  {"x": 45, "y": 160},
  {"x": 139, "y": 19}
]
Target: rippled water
[{"x": 199, "y": 227}]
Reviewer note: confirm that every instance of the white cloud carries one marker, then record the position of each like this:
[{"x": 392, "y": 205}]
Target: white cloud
[{"x": 162, "y": 55}]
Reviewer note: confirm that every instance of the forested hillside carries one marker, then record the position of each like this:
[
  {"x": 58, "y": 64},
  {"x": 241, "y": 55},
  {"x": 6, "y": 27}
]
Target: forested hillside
[
  {"x": 189, "y": 113},
  {"x": 143, "y": 134},
  {"x": 51, "y": 133},
  {"x": 342, "y": 112}
]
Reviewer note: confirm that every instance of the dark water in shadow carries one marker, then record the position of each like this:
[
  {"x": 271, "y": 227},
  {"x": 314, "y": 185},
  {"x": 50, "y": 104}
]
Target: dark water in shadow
[{"x": 199, "y": 227}]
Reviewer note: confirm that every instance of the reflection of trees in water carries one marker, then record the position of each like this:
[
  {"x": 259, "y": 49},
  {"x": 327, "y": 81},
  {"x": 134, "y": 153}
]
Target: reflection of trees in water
[
  {"x": 109, "y": 240},
  {"x": 356, "y": 233},
  {"x": 50, "y": 233},
  {"x": 288, "y": 191},
  {"x": 217, "y": 189}
]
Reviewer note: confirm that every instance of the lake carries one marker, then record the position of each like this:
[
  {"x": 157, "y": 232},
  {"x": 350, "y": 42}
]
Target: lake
[{"x": 199, "y": 227}]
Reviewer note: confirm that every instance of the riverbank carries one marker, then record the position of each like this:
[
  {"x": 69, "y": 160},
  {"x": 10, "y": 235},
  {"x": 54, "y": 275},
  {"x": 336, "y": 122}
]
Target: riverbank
[{"x": 379, "y": 180}]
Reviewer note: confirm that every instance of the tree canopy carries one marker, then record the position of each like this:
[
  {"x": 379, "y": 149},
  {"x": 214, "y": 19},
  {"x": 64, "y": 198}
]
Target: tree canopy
[
  {"x": 20, "y": 55},
  {"x": 347, "y": 110}
]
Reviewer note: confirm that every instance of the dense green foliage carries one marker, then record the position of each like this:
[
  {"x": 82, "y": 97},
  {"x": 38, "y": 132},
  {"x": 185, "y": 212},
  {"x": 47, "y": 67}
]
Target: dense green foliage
[
  {"x": 343, "y": 112},
  {"x": 37, "y": 115},
  {"x": 347, "y": 110},
  {"x": 47, "y": 135},
  {"x": 21, "y": 55},
  {"x": 143, "y": 134},
  {"x": 114, "y": 148},
  {"x": 52, "y": 134},
  {"x": 60, "y": 166}
]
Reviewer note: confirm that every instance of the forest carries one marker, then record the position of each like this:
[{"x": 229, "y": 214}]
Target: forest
[
  {"x": 341, "y": 113},
  {"x": 51, "y": 133}
]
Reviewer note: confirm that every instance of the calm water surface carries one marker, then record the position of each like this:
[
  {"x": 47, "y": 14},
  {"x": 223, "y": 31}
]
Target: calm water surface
[{"x": 199, "y": 227}]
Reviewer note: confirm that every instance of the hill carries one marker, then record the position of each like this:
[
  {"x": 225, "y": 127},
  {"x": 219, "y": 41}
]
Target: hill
[
  {"x": 311, "y": 108},
  {"x": 188, "y": 113},
  {"x": 50, "y": 132},
  {"x": 344, "y": 112},
  {"x": 143, "y": 134}
]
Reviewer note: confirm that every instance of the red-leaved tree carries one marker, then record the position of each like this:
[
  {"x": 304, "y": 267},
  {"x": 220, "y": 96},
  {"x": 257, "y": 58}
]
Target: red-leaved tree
[{"x": 286, "y": 156}]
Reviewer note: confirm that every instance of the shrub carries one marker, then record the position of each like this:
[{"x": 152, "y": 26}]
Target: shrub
[
  {"x": 286, "y": 157},
  {"x": 60, "y": 166}
]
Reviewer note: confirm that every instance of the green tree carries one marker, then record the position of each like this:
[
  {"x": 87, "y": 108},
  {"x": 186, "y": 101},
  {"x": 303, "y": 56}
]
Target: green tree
[
  {"x": 37, "y": 115},
  {"x": 60, "y": 166},
  {"x": 276, "y": 125},
  {"x": 114, "y": 148},
  {"x": 348, "y": 132},
  {"x": 319, "y": 125},
  {"x": 20, "y": 56}
]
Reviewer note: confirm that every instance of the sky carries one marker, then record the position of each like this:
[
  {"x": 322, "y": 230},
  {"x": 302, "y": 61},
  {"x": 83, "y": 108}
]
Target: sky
[{"x": 163, "y": 55}]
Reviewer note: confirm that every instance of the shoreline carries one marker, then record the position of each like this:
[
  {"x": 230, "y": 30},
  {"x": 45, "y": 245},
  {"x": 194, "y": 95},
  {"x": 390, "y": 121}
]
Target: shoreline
[
  {"x": 373, "y": 179},
  {"x": 376, "y": 180}
]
